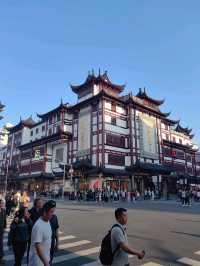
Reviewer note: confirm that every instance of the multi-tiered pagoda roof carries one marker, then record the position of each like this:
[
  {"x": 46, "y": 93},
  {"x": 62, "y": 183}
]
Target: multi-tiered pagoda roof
[
  {"x": 101, "y": 79},
  {"x": 62, "y": 106},
  {"x": 29, "y": 122}
]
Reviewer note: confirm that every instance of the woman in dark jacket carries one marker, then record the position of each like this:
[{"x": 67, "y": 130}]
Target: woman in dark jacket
[{"x": 19, "y": 235}]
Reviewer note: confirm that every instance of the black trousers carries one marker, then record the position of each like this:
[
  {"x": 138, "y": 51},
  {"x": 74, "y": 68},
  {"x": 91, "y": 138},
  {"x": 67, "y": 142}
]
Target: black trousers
[
  {"x": 1, "y": 245},
  {"x": 52, "y": 252},
  {"x": 19, "y": 249}
]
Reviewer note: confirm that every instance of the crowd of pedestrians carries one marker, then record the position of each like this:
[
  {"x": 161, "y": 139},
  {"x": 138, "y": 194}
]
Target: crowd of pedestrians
[
  {"x": 105, "y": 195},
  {"x": 34, "y": 232}
]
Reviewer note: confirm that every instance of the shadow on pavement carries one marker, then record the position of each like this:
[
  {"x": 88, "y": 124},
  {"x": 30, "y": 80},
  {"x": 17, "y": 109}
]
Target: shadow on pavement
[
  {"x": 187, "y": 220},
  {"x": 157, "y": 206},
  {"x": 183, "y": 233}
]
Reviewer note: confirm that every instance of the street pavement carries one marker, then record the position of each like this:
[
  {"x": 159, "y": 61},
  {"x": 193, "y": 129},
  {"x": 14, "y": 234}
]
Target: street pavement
[{"x": 167, "y": 232}]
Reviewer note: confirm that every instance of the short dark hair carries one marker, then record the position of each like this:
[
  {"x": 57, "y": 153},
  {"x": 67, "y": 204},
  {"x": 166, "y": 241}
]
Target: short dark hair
[
  {"x": 20, "y": 213},
  {"x": 119, "y": 211},
  {"x": 48, "y": 206},
  {"x": 36, "y": 201}
]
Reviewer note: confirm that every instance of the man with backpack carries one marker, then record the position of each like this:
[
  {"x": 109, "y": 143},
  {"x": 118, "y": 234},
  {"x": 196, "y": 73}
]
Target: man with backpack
[{"x": 114, "y": 247}]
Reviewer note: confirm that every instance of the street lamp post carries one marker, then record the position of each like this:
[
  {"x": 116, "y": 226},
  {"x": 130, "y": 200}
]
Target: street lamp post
[
  {"x": 71, "y": 171},
  {"x": 63, "y": 188},
  {"x": 63, "y": 181},
  {"x": 6, "y": 180}
]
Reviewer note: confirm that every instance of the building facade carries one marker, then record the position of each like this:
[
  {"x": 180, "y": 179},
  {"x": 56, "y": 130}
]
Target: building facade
[{"x": 108, "y": 140}]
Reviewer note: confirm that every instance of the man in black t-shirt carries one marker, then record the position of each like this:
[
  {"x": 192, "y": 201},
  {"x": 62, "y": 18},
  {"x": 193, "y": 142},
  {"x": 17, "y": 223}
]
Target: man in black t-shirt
[
  {"x": 54, "y": 242},
  {"x": 2, "y": 228},
  {"x": 35, "y": 212}
]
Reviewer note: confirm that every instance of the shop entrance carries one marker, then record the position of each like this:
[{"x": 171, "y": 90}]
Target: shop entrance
[{"x": 117, "y": 184}]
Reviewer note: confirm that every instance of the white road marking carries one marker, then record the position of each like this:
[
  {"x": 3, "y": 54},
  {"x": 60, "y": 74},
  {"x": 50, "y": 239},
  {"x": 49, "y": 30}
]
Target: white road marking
[
  {"x": 151, "y": 264},
  {"x": 62, "y": 238},
  {"x": 74, "y": 244},
  {"x": 189, "y": 261},
  {"x": 98, "y": 263},
  {"x": 64, "y": 246},
  {"x": 8, "y": 257},
  {"x": 94, "y": 263},
  {"x": 76, "y": 254},
  {"x": 197, "y": 252}
]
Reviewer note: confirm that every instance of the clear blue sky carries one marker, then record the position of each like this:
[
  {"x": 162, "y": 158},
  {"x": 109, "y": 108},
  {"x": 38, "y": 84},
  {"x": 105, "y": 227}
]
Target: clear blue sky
[{"x": 45, "y": 45}]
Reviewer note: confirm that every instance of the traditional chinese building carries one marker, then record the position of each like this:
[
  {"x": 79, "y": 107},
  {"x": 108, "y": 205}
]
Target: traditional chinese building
[{"x": 107, "y": 138}]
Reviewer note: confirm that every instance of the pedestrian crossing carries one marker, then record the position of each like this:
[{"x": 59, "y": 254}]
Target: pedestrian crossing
[{"x": 85, "y": 253}]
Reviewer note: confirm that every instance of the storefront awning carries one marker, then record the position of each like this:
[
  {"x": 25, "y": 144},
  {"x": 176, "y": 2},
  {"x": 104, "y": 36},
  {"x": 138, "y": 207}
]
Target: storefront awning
[
  {"x": 39, "y": 176},
  {"x": 190, "y": 179},
  {"x": 108, "y": 172},
  {"x": 150, "y": 168}
]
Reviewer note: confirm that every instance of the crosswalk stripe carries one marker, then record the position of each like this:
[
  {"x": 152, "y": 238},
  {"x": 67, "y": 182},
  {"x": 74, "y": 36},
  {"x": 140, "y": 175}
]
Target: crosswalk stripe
[
  {"x": 62, "y": 238},
  {"x": 64, "y": 246},
  {"x": 5, "y": 248},
  {"x": 9, "y": 257},
  {"x": 98, "y": 263},
  {"x": 189, "y": 261},
  {"x": 197, "y": 252},
  {"x": 76, "y": 254},
  {"x": 151, "y": 264},
  {"x": 74, "y": 244},
  {"x": 93, "y": 263}
]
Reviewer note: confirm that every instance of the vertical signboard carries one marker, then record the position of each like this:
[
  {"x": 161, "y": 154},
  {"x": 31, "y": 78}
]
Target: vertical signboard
[
  {"x": 148, "y": 137},
  {"x": 84, "y": 131}
]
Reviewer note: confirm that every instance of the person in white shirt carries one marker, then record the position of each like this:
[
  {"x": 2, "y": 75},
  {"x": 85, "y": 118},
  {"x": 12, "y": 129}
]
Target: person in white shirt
[
  {"x": 152, "y": 195},
  {"x": 198, "y": 195},
  {"x": 41, "y": 237},
  {"x": 183, "y": 196}
]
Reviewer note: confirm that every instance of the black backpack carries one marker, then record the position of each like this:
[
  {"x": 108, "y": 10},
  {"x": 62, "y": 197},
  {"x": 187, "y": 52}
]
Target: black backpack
[{"x": 106, "y": 255}]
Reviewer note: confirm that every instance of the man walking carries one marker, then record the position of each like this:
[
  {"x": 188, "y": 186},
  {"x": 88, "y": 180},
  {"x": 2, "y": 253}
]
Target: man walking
[
  {"x": 41, "y": 237},
  {"x": 55, "y": 236},
  {"x": 119, "y": 241},
  {"x": 2, "y": 227},
  {"x": 35, "y": 211}
]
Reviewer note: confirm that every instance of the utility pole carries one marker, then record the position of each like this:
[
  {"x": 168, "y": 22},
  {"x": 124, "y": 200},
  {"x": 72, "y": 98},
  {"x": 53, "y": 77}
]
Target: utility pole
[{"x": 63, "y": 188}]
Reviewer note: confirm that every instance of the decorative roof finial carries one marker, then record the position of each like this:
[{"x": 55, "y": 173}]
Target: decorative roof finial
[
  {"x": 99, "y": 72},
  {"x": 144, "y": 90},
  {"x": 92, "y": 71},
  {"x": 61, "y": 101},
  {"x": 20, "y": 118}
]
